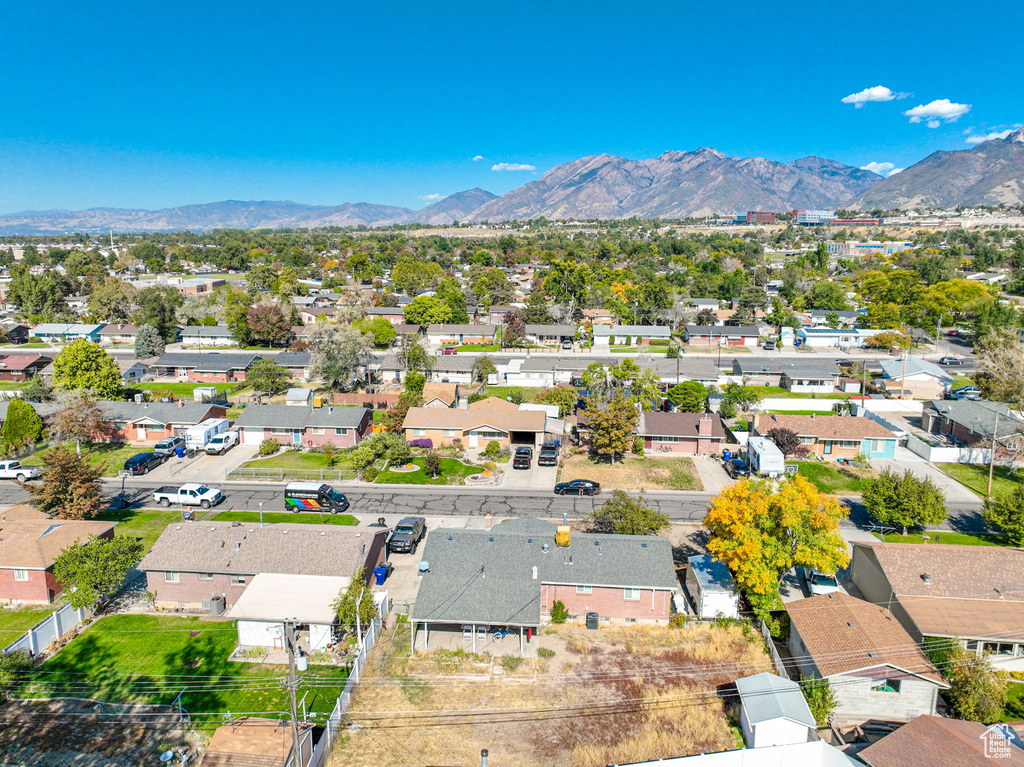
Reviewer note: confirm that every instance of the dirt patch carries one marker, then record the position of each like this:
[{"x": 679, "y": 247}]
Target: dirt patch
[
  {"x": 592, "y": 698},
  {"x": 635, "y": 473},
  {"x": 89, "y": 734}
]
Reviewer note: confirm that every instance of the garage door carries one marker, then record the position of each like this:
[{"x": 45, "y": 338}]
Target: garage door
[{"x": 252, "y": 436}]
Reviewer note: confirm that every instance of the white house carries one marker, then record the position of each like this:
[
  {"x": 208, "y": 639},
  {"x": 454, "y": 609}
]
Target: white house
[
  {"x": 626, "y": 335},
  {"x": 723, "y": 335},
  {"x": 272, "y": 598},
  {"x": 915, "y": 376},
  {"x": 773, "y": 711},
  {"x": 843, "y": 338}
]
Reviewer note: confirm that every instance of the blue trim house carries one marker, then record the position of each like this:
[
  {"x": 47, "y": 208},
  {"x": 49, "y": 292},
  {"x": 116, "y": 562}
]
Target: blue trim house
[
  {"x": 62, "y": 332},
  {"x": 833, "y": 436}
]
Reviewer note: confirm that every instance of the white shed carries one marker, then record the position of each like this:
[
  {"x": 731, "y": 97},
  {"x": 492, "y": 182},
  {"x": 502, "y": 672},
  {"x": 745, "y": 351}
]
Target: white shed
[
  {"x": 299, "y": 397},
  {"x": 712, "y": 589},
  {"x": 773, "y": 711},
  {"x": 273, "y": 598}
]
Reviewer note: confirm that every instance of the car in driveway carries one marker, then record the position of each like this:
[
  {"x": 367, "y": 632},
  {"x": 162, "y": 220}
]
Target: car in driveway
[
  {"x": 446, "y": 350},
  {"x": 736, "y": 468},
  {"x": 523, "y": 458},
  {"x": 406, "y": 536},
  {"x": 950, "y": 361},
  {"x": 548, "y": 455},
  {"x": 578, "y": 487},
  {"x": 167, "y": 447},
  {"x": 15, "y": 470},
  {"x": 965, "y": 392},
  {"x": 822, "y": 583},
  {"x": 143, "y": 463}
]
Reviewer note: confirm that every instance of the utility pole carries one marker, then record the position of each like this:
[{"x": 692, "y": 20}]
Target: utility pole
[
  {"x": 992, "y": 456},
  {"x": 903, "y": 381},
  {"x": 289, "y": 631}
]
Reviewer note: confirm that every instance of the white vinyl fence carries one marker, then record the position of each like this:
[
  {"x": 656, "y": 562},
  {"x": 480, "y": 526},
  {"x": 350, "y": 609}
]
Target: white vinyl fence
[{"x": 49, "y": 629}]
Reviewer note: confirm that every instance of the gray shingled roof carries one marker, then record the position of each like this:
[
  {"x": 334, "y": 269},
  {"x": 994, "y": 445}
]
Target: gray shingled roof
[
  {"x": 337, "y": 417},
  {"x": 479, "y": 576},
  {"x": 767, "y": 696},
  {"x": 160, "y": 412},
  {"x": 551, "y": 330},
  {"x": 723, "y": 330},
  {"x": 893, "y": 369},
  {"x": 248, "y": 549},
  {"x": 777, "y": 365},
  {"x": 238, "y": 360},
  {"x": 292, "y": 359},
  {"x": 273, "y": 417},
  {"x": 978, "y": 415},
  {"x": 202, "y": 331}
]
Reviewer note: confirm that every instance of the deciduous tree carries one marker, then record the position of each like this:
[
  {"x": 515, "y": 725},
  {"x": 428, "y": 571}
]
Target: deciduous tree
[
  {"x": 84, "y": 366},
  {"x": 336, "y": 354},
  {"x": 92, "y": 571},
  {"x": 1005, "y": 512},
  {"x": 268, "y": 376},
  {"x": 483, "y": 367},
  {"x": 689, "y": 396},
  {"x": 427, "y": 310},
  {"x": 158, "y": 306},
  {"x": 354, "y": 600},
  {"x": 564, "y": 396},
  {"x": 904, "y": 500},
  {"x": 611, "y": 426},
  {"x": 70, "y": 487},
  {"x": 976, "y": 692},
  {"x": 623, "y": 514},
  {"x": 514, "y": 333},
  {"x": 786, "y": 440},
  {"x": 81, "y": 419},
  {"x": 113, "y": 300},
  {"x": 268, "y": 324}
]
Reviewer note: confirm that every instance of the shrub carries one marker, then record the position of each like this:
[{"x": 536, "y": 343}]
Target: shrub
[
  {"x": 432, "y": 465},
  {"x": 269, "y": 446},
  {"x": 638, "y": 445},
  {"x": 399, "y": 454},
  {"x": 423, "y": 443},
  {"x": 511, "y": 662},
  {"x": 559, "y": 612},
  {"x": 728, "y": 409},
  {"x": 492, "y": 449},
  {"x": 821, "y": 699},
  {"x": 503, "y": 456},
  {"x": 370, "y": 474},
  {"x": 545, "y": 652}
]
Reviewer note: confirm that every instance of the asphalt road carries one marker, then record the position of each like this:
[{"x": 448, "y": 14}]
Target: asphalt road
[{"x": 469, "y": 502}]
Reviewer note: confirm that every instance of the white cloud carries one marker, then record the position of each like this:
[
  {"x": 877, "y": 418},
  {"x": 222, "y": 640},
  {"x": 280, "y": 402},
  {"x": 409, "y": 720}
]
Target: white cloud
[
  {"x": 937, "y": 111},
  {"x": 512, "y": 166},
  {"x": 478, "y": 158},
  {"x": 431, "y": 196},
  {"x": 882, "y": 168},
  {"x": 877, "y": 93},
  {"x": 977, "y": 138}
]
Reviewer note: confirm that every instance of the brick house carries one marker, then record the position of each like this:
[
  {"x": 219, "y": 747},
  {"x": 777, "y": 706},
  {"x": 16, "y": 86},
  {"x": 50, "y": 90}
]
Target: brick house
[
  {"x": 722, "y": 335},
  {"x": 21, "y": 367},
  {"x": 208, "y": 367},
  {"x": 511, "y": 576},
  {"x": 871, "y": 662},
  {"x": 291, "y": 425},
  {"x": 392, "y": 314},
  {"x": 833, "y": 436},
  {"x": 30, "y": 543},
  {"x": 192, "y": 562},
  {"x": 296, "y": 363},
  {"x": 967, "y": 421},
  {"x": 154, "y": 421},
  {"x": 484, "y": 421},
  {"x": 681, "y": 433}
]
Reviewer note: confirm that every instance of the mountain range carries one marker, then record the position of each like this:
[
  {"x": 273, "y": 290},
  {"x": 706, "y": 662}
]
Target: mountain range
[{"x": 675, "y": 184}]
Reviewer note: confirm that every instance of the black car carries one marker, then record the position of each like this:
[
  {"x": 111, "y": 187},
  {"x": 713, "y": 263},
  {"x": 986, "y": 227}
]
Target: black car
[
  {"x": 547, "y": 457},
  {"x": 737, "y": 467},
  {"x": 950, "y": 361},
  {"x": 523, "y": 458},
  {"x": 143, "y": 463},
  {"x": 407, "y": 535},
  {"x": 578, "y": 487}
]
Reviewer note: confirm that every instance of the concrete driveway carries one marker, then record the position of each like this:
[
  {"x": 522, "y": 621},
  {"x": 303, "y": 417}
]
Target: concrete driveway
[
  {"x": 203, "y": 467},
  {"x": 905, "y": 459},
  {"x": 712, "y": 474}
]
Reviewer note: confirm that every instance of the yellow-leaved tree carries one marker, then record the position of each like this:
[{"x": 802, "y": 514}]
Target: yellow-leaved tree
[{"x": 760, "y": 530}]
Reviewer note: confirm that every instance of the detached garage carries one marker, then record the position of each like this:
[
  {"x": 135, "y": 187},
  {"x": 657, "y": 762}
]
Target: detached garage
[{"x": 272, "y": 598}]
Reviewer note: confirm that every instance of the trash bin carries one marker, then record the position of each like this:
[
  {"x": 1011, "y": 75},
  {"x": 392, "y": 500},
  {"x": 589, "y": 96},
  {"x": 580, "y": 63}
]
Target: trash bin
[
  {"x": 726, "y": 455},
  {"x": 381, "y": 574},
  {"x": 180, "y": 451},
  {"x": 592, "y": 621}
]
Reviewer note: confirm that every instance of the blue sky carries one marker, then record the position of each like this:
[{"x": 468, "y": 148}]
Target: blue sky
[{"x": 154, "y": 105}]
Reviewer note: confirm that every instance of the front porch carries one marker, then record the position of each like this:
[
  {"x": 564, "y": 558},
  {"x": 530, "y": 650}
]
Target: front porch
[{"x": 476, "y": 638}]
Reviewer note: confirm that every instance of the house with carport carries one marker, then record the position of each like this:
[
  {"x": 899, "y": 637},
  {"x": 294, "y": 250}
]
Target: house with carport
[
  {"x": 454, "y": 334},
  {"x": 207, "y": 335},
  {"x": 208, "y": 367},
  {"x": 629, "y": 335},
  {"x": 550, "y": 334},
  {"x": 915, "y": 377},
  {"x": 722, "y": 335}
]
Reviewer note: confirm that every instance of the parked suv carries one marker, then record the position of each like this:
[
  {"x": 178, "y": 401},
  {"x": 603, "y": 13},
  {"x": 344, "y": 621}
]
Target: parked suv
[
  {"x": 143, "y": 463},
  {"x": 167, "y": 447},
  {"x": 407, "y": 535},
  {"x": 736, "y": 468},
  {"x": 523, "y": 458}
]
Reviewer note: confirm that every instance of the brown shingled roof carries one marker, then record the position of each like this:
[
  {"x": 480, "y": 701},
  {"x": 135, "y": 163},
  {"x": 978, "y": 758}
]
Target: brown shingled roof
[
  {"x": 843, "y": 633},
  {"x": 454, "y": 418},
  {"x": 37, "y": 544},
  {"x": 929, "y": 741},
  {"x": 826, "y": 426}
]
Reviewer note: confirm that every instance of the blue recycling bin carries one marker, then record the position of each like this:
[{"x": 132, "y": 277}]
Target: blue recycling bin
[
  {"x": 381, "y": 574},
  {"x": 180, "y": 451},
  {"x": 726, "y": 455}
]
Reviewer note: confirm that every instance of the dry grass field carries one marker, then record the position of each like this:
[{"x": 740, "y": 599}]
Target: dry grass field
[
  {"x": 619, "y": 695},
  {"x": 633, "y": 473}
]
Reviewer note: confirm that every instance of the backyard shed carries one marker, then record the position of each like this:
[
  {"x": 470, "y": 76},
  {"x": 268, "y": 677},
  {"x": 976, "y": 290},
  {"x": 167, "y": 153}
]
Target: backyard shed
[
  {"x": 273, "y": 598},
  {"x": 712, "y": 589},
  {"x": 773, "y": 711}
]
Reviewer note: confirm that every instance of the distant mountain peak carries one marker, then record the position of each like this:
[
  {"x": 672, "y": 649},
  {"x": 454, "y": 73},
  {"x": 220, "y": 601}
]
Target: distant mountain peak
[{"x": 1017, "y": 135}]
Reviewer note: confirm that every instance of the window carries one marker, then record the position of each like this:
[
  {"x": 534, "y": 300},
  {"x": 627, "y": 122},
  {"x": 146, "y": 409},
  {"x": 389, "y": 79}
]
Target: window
[
  {"x": 281, "y": 431},
  {"x": 206, "y": 576},
  {"x": 807, "y": 440},
  {"x": 885, "y": 685},
  {"x": 848, "y": 444},
  {"x": 972, "y": 646},
  {"x": 666, "y": 439},
  {"x": 171, "y": 577},
  {"x": 341, "y": 432},
  {"x": 631, "y": 593},
  {"x": 447, "y": 432},
  {"x": 20, "y": 574},
  {"x": 998, "y": 648},
  {"x": 237, "y": 580},
  {"x": 878, "y": 445},
  {"x": 120, "y": 424},
  {"x": 584, "y": 589},
  {"x": 419, "y": 432}
]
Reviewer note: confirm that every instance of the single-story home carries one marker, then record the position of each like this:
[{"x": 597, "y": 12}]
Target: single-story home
[
  {"x": 929, "y": 741},
  {"x": 339, "y": 426},
  {"x": 208, "y": 367},
  {"x": 629, "y": 335},
  {"x": 30, "y": 543},
  {"x": 154, "y": 421},
  {"x": 550, "y": 334},
  {"x": 454, "y": 334},
  {"x": 296, "y": 363},
  {"x": 64, "y": 332},
  {"x": 833, "y": 436},
  {"x": 314, "y": 314},
  {"x": 193, "y": 562},
  {"x": 915, "y": 376},
  {"x": 392, "y": 314},
  {"x": 133, "y": 371},
  {"x": 21, "y": 367},
  {"x": 871, "y": 663},
  {"x": 680, "y": 433},
  {"x": 512, "y": 575},
  {"x": 450, "y": 368},
  {"x": 207, "y": 335},
  {"x": 818, "y": 376},
  {"x": 973, "y": 593},
  {"x": 842, "y": 338},
  {"x": 484, "y": 421},
  {"x": 118, "y": 333},
  {"x": 597, "y": 316},
  {"x": 969, "y": 421},
  {"x": 773, "y": 711},
  {"x": 270, "y": 599},
  {"x": 16, "y": 334},
  {"x": 697, "y": 304},
  {"x": 701, "y": 369},
  {"x": 820, "y": 317},
  {"x": 724, "y": 335}
]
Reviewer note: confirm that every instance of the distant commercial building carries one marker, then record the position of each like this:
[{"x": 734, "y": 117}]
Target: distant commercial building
[
  {"x": 857, "y": 221},
  {"x": 853, "y": 249},
  {"x": 813, "y": 217},
  {"x": 760, "y": 217}
]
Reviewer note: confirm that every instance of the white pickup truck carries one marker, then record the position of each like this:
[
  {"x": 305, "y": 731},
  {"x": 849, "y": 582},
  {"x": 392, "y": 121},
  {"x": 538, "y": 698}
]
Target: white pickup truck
[
  {"x": 190, "y": 494},
  {"x": 14, "y": 470}
]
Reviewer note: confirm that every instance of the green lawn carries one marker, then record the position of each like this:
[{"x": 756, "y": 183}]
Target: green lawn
[
  {"x": 976, "y": 477},
  {"x": 301, "y": 518},
  {"x": 14, "y": 623},
  {"x": 113, "y": 454},
  {"x": 297, "y": 460},
  {"x": 961, "y": 380},
  {"x": 1014, "y": 710},
  {"x": 960, "y": 539},
  {"x": 778, "y": 391},
  {"x": 829, "y": 478},
  {"x": 503, "y": 392},
  {"x": 180, "y": 389},
  {"x": 144, "y": 524},
  {"x": 151, "y": 659},
  {"x": 477, "y": 348},
  {"x": 378, "y": 416},
  {"x": 39, "y": 345},
  {"x": 449, "y": 468}
]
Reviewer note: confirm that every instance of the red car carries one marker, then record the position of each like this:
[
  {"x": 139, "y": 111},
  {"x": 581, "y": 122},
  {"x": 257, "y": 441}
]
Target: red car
[{"x": 448, "y": 350}]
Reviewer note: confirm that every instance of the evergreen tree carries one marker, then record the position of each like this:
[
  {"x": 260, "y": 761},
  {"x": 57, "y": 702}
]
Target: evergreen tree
[
  {"x": 22, "y": 426},
  {"x": 148, "y": 343}
]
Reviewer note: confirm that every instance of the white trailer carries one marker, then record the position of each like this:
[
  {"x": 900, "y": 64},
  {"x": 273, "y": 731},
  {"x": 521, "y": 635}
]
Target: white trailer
[
  {"x": 711, "y": 588},
  {"x": 199, "y": 435},
  {"x": 765, "y": 458}
]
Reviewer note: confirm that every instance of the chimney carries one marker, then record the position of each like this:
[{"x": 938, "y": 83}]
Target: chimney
[
  {"x": 754, "y": 421},
  {"x": 704, "y": 425}
]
